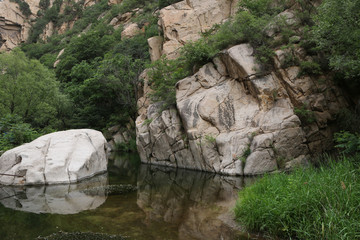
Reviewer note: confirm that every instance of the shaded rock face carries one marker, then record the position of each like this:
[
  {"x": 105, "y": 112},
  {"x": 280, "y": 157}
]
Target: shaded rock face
[
  {"x": 184, "y": 21},
  {"x": 120, "y": 135},
  {"x": 198, "y": 202},
  {"x": 55, "y": 199},
  {"x": 60, "y": 157},
  {"x": 232, "y": 118}
]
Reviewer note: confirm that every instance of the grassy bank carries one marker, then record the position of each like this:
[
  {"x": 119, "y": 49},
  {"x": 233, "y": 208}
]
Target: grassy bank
[{"x": 316, "y": 203}]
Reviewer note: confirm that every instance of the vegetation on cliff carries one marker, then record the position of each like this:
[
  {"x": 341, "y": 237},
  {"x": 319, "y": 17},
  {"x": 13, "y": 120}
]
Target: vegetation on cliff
[{"x": 98, "y": 70}]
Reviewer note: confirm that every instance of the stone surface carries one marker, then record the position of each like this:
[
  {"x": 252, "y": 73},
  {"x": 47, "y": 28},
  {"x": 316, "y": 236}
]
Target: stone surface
[
  {"x": 56, "y": 199},
  {"x": 184, "y": 21},
  {"x": 155, "y": 47},
  {"x": 130, "y": 30},
  {"x": 14, "y": 26},
  {"x": 121, "y": 19},
  {"x": 233, "y": 118},
  {"x": 60, "y": 157}
]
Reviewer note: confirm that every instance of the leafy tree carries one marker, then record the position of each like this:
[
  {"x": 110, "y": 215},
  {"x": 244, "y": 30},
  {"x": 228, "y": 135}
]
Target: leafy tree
[
  {"x": 110, "y": 95},
  {"x": 28, "y": 89},
  {"x": 337, "y": 33},
  {"x": 89, "y": 46},
  {"x": 163, "y": 76},
  {"x": 13, "y": 132}
]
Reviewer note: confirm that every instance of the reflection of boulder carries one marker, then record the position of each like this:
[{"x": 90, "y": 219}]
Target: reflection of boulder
[
  {"x": 59, "y": 157},
  {"x": 59, "y": 199},
  {"x": 194, "y": 200}
]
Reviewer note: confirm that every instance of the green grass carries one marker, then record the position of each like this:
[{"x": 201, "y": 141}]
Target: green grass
[{"x": 322, "y": 203}]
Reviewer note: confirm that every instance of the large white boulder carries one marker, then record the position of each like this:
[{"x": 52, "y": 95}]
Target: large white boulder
[{"x": 60, "y": 157}]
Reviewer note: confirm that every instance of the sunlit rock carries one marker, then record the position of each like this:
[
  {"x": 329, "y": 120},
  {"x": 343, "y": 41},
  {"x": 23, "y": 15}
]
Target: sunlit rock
[
  {"x": 186, "y": 20},
  {"x": 60, "y": 157},
  {"x": 232, "y": 117}
]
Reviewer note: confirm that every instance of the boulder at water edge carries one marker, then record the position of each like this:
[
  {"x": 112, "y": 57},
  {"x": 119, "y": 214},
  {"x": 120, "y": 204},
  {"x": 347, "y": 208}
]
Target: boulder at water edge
[{"x": 60, "y": 157}]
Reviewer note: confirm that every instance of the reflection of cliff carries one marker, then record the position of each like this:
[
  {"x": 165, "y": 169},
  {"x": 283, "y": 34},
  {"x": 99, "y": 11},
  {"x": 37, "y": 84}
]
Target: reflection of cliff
[
  {"x": 194, "y": 200},
  {"x": 59, "y": 199}
]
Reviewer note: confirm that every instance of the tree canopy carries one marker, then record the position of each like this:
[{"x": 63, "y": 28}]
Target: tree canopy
[
  {"x": 30, "y": 90},
  {"x": 337, "y": 32}
]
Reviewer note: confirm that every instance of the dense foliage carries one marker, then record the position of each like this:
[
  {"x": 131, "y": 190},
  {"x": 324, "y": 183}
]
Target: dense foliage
[
  {"x": 337, "y": 33},
  {"x": 13, "y": 132},
  {"x": 98, "y": 69},
  {"x": 314, "y": 203},
  {"x": 30, "y": 90}
]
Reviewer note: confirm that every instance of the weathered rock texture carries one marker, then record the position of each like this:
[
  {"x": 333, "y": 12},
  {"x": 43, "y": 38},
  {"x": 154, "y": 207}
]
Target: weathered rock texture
[
  {"x": 233, "y": 118},
  {"x": 14, "y": 26},
  {"x": 56, "y": 199},
  {"x": 121, "y": 135},
  {"x": 60, "y": 157},
  {"x": 185, "y": 20}
]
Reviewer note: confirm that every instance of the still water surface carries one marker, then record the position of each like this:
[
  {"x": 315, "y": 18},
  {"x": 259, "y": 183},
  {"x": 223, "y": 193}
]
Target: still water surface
[{"x": 168, "y": 204}]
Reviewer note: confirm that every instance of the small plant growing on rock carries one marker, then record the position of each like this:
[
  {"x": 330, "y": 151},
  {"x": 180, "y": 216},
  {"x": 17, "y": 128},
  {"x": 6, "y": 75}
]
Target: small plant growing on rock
[
  {"x": 245, "y": 154},
  {"x": 306, "y": 116},
  {"x": 280, "y": 161},
  {"x": 147, "y": 121},
  {"x": 309, "y": 68},
  {"x": 210, "y": 138}
]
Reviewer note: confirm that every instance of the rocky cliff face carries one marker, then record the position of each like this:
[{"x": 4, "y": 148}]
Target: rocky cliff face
[
  {"x": 233, "y": 118},
  {"x": 185, "y": 20},
  {"x": 14, "y": 26}
]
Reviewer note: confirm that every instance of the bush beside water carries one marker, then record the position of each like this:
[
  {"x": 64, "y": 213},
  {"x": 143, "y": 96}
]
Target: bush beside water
[{"x": 315, "y": 203}]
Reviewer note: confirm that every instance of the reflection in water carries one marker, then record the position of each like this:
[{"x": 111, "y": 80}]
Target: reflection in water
[
  {"x": 199, "y": 203},
  {"x": 59, "y": 199},
  {"x": 169, "y": 204}
]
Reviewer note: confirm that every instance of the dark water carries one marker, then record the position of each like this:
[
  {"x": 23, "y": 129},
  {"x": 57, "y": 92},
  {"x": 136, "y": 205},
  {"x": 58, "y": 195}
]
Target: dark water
[{"x": 168, "y": 204}]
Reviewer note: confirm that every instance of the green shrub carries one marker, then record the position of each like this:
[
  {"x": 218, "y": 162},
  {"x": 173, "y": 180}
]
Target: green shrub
[
  {"x": 164, "y": 3},
  {"x": 24, "y": 7},
  {"x": 44, "y": 4},
  {"x": 290, "y": 60},
  {"x": 14, "y": 132},
  {"x": 210, "y": 138},
  {"x": 164, "y": 74},
  {"x": 309, "y": 68},
  {"x": 306, "y": 116},
  {"x": 307, "y": 204},
  {"x": 337, "y": 34},
  {"x": 196, "y": 54},
  {"x": 348, "y": 120},
  {"x": 126, "y": 147},
  {"x": 260, "y": 8},
  {"x": 348, "y": 142},
  {"x": 245, "y": 154}
]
